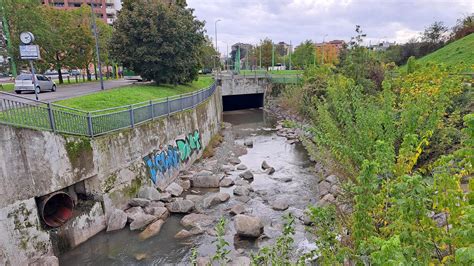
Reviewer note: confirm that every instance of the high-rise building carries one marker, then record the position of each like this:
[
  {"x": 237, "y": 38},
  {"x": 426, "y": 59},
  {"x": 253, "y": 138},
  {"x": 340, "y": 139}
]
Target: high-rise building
[{"x": 104, "y": 9}]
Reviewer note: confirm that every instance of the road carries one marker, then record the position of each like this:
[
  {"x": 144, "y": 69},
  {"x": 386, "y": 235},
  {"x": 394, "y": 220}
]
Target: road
[{"x": 73, "y": 90}]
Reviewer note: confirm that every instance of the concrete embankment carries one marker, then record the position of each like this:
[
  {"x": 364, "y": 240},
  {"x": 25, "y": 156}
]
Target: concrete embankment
[{"x": 58, "y": 191}]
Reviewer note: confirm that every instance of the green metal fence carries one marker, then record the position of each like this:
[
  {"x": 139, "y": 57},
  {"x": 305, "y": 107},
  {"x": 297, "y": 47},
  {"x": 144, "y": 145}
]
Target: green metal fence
[{"x": 24, "y": 112}]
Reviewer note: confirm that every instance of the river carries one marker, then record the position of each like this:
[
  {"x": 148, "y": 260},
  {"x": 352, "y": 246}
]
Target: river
[{"x": 293, "y": 181}]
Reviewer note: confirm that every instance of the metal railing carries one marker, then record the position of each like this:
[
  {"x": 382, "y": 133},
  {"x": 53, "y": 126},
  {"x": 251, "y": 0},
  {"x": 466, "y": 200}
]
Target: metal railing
[
  {"x": 24, "y": 112},
  {"x": 273, "y": 78}
]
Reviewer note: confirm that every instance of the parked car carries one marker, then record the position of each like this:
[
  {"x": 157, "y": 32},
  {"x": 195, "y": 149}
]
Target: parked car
[
  {"x": 75, "y": 72},
  {"x": 24, "y": 82}
]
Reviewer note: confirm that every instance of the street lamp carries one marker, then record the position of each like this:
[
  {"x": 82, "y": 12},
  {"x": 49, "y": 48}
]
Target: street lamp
[
  {"x": 97, "y": 47},
  {"x": 215, "y": 31}
]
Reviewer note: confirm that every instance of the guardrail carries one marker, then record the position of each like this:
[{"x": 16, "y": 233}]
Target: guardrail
[
  {"x": 274, "y": 78},
  {"x": 24, "y": 112}
]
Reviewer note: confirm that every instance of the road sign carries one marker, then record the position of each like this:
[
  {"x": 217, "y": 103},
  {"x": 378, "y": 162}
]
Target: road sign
[{"x": 30, "y": 52}]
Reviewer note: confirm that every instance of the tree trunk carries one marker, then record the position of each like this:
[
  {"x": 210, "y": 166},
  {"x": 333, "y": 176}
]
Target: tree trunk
[
  {"x": 88, "y": 72},
  {"x": 60, "y": 76}
]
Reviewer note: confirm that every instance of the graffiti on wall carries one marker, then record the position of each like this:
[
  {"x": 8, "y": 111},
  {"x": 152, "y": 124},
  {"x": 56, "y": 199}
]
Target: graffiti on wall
[
  {"x": 188, "y": 145},
  {"x": 162, "y": 162}
]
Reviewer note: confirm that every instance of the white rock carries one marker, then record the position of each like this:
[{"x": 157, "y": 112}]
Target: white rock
[
  {"x": 149, "y": 193},
  {"x": 117, "y": 220},
  {"x": 248, "y": 226},
  {"x": 139, "y": 202},
  {"x": 174, "y": 189}
]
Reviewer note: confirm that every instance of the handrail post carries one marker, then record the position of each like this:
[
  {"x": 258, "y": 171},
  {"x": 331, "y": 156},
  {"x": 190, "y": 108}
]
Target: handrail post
[
  {"x": 168, "y": 104},
  {"x": 152, "y": 112},
  {"x": 51, "y": 118},
  {"x": 132, "y": 119},
  {"x": 89, "y": 124}
]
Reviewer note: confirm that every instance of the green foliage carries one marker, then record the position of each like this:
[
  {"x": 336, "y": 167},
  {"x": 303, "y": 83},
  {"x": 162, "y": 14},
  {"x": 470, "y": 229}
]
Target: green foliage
[
  {"x": 304, "y": 55},
  {"x": 453, "y": 54},
  {"x": 411, "y": 65},
  {"x": 405, "y": 153},
  {"x": 194, "y": 255},
  {"x": 159, "y": 42},
  {"x": 221, "y": 252},
  {"x": 279, "y": 253}
]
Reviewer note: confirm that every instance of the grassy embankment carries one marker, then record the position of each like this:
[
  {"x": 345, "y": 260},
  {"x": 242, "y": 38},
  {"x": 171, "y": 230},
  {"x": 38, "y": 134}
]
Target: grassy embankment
[
  {"x": 132, "y": 94},
  {"x": 460, "y": 51}
]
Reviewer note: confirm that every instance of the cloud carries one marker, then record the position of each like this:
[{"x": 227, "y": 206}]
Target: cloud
[{"x": 297, "y": 20}]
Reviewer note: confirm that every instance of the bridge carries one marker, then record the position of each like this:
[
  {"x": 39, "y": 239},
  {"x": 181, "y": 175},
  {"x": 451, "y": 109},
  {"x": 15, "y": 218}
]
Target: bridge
[{"x": 247, "y": 89}]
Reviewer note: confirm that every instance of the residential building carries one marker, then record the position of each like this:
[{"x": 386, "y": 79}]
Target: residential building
[
  {"x": 104, "y": 9},
  {"x": 382, "y": 46},
  {"x": 283, "y": 48},
  {"x": 328, "y": 52}
]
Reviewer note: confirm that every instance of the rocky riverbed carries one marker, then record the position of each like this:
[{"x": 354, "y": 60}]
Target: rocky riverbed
[{"x": 258, "y": 174}]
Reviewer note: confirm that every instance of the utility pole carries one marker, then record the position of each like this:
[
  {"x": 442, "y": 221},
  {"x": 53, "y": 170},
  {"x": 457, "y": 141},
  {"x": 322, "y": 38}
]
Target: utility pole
[
  {"x": 273, "y": 55},
  {"x": 215, "y": 32},
  {"x": 8, "y": 40},
  {"x": 97, "y": 51},
  {"x": 290, "y": 53}
]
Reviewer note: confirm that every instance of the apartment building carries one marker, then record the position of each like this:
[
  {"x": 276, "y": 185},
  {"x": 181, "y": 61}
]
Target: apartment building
[{"x": 104, "y": 9}]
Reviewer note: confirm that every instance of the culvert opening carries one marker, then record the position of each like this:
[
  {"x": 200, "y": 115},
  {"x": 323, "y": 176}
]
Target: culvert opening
[{"x": 56, "y": 209}]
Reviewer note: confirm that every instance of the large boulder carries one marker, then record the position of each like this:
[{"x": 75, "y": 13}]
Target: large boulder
[
  {"x": 248, "y": 143},
  {"x": 248, "y": 226},
  {"x": 332, "y": 179},
  {"x": 174, "y": 189},
  {"x": 133, "y": 213},
  {"x": 237, "y": 209},
  {"x": 227, "y": 168},
  {"x": 326, "y": 200},
  {"x": 226, "y": 182},
  {"x": 324, "y": 188},
  {"x": 280, "y": 204},
  {"x": 194, "y": 198},
  {"x": 117, "y": 220},
  {"x": 241, "y": 191},
  {"x": 197, "y": 220},
  {"x": 149, "y": 193},
  {"x": 180, "y": 206},
  {"x": 234, "y": 161},
  {"x": 141, "y": 221},
  {"x": 165, "y": 197},
  {"x": 205, "y": 179},
  {"x": 151, "y": 230},
  {"x": 160, "y": 212},
  {"x": 215, "y": 199},
  {"x": 247, "y": 175},
  {"x": 183, "y": 234},
  {"x": 265, "y": 165},
  {"x": 139, "y": 202},
  {"x": 241, "y": 167},
  {"x": 184, "y": 183}
]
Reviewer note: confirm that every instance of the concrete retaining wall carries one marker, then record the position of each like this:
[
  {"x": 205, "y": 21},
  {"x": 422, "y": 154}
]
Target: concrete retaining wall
[
  {"x": 110, "y": 169},
  {"x": 238, "y": 85}
]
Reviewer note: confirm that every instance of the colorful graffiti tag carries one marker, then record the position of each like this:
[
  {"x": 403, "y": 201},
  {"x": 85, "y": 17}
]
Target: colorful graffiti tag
[
  {"x": 188, "y": 145},
  {"x": 162, "y": 162}
]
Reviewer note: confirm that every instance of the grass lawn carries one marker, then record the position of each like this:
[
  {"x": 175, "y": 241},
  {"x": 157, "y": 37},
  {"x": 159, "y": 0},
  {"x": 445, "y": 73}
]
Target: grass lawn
[
  {"x": 8, "y": 87},
  {"x": 132, "y": 94}
]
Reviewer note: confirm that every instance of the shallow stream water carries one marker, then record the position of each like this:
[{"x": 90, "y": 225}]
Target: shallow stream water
[{"x": 290, "y": 161}]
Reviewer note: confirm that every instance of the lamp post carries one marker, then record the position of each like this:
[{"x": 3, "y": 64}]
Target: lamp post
[
  {"x": 94, "y": 25},
  {"x": 215, "y": 32}
]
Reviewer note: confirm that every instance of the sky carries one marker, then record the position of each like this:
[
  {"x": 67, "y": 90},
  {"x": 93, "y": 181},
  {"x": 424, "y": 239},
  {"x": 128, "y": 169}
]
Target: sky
[{"x": 249, "y": 21}]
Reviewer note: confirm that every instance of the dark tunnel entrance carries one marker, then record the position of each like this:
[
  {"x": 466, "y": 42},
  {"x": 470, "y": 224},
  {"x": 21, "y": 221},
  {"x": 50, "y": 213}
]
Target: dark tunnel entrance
[{"x": 244, "y": 101}]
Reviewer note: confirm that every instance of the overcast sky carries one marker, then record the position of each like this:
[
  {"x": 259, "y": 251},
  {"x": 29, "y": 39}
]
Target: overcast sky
[{"x": 249, "y": 21}]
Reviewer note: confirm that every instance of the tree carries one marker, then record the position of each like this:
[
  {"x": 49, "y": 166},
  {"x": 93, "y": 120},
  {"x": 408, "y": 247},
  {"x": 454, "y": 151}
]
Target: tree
[
  {"x": 464, "y": 27},
  {"x": 209, "y": 55},
  {"x": 435, "y": 33},
  {"x": 304, "y": 55},
  {"x": 159, "y": 42}
]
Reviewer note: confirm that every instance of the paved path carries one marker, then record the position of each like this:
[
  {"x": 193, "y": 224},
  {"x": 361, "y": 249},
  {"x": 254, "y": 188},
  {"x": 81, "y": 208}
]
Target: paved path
[{"x": 73, "y": 90}]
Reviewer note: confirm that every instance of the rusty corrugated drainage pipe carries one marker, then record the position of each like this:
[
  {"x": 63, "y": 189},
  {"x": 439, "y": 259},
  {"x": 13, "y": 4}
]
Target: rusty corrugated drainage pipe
[{"x": 56, "y": 208}]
